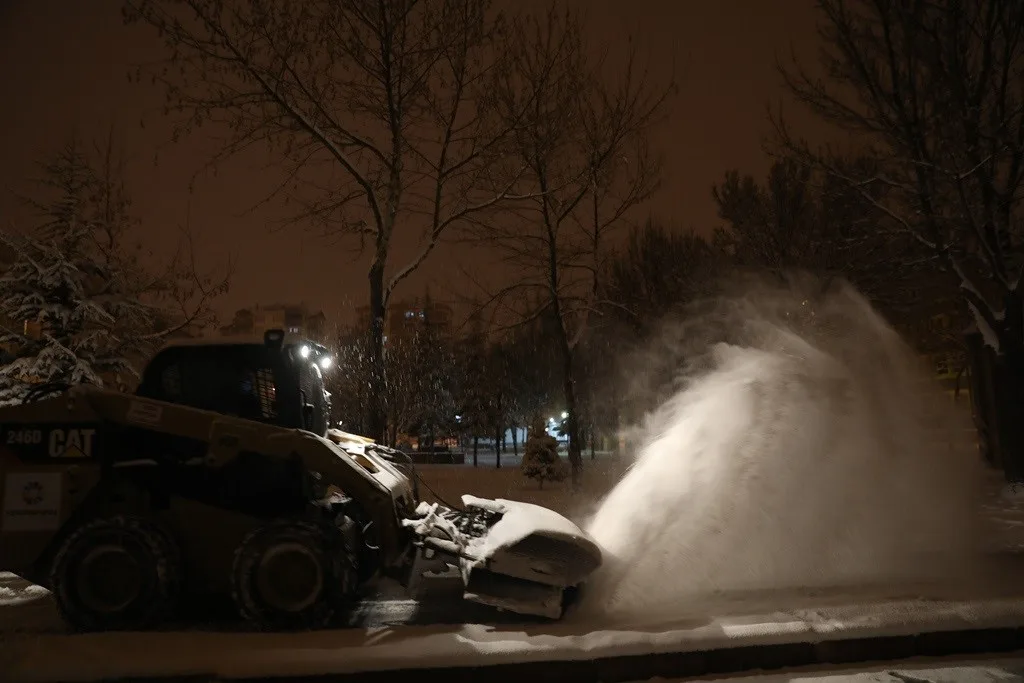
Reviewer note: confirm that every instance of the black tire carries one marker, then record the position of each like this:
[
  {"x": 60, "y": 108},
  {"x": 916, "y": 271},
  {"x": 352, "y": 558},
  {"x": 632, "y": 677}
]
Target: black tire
[
  {"x": 318, "y": 579},
  {"x": 116, "y": 574}
]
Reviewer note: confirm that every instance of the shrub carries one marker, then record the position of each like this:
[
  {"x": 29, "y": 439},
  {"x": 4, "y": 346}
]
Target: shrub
[{"x": 541, "y": 461}]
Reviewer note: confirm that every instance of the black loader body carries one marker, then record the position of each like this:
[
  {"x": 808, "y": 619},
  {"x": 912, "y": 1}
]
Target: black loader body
[{"x": 220, "y": 476}]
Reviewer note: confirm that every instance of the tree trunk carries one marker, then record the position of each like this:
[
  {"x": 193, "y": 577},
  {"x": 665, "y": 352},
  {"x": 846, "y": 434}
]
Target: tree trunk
[
  {"x": 515, "y": 440},
  {"x": 997, "y": 392},
  {"x": 593, "y": 437},
  {"x": 476, "y": 444},
  {"x": 497, "y": 447},
  {"x": 565, "y": 346},
  {"x": 572, "y": 422},
  {"x": 1011, "y": 421},
  {"x": 376, "y": 420},
  {"x": 616, "y": 421},
  {"x": 1009, "y": 418}
]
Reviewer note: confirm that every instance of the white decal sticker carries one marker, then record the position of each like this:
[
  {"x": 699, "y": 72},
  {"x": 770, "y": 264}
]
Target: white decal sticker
[
  {"x": 31, "y": 501},
  {"x": 144, "y": 413}
]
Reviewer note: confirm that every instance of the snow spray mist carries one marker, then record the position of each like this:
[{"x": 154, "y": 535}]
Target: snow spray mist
[{"x": 807, "y": 449}]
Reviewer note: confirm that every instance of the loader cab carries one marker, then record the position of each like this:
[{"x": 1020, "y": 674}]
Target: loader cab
[{"x": 276, "y": 380}]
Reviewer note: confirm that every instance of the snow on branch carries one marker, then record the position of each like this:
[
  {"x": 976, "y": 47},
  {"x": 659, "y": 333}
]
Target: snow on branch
[
  {"x": 932, "y": 89},
  {"x": 81, "y": 304}
]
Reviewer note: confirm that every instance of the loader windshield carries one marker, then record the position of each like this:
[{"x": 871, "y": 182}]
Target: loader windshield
[{"x": 243, "y": 380}]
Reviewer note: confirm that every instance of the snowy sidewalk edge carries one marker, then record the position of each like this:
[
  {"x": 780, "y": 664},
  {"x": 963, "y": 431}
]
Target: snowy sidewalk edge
[
  {"x": 803, "y": 658},
  {"x": 894, "y": 630}
]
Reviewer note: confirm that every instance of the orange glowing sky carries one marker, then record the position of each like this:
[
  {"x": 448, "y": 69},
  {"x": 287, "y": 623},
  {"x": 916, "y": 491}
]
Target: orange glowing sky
[{"x": 65, "y": 65}]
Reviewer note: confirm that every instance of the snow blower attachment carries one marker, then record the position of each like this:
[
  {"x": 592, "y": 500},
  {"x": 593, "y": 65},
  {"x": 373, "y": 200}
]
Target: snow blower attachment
[
  {"x": 511, "y": 555},
  {"x": 220, "y": 477}
]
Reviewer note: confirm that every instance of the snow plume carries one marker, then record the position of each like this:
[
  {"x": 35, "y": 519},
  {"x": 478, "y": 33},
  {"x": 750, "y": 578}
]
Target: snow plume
[{"x": 806, "y": 449}]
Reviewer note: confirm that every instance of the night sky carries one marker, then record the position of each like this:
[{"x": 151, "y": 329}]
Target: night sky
[{"x": 65, "y": 65}]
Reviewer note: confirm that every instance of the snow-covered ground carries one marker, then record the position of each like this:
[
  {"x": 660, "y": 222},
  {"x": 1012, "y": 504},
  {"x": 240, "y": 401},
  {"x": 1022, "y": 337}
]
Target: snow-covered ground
[
  {"x": 230, "y": 655},
  {"x": 34, "y": 647},
  {"x": 393, "y": 632},
  {"x": 984, "y": 671}
]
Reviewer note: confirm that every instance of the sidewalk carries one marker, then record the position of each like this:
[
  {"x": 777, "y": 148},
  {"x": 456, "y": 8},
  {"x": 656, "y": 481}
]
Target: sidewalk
[{"x": 881, "y": 630}]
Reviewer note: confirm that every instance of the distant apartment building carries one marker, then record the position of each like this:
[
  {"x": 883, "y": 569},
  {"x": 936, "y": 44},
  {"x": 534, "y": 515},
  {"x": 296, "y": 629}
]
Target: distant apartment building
[
  {"x": 292, "y": 318},
  {"x": 405, "y": 316}
]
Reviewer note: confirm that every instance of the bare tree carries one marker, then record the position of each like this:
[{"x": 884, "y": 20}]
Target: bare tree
[
  {"x": 934, "y": 89},
  {"x": 803, "y": 220},
  {"x": 583, "y": 145},
  {"x": 532, "y": 362},
  {"x": 773, "y": 225},
  {"x": 381, "y": 112},
  {"x": 179, "y": 290},
  {"x": 659, "y": 271}
]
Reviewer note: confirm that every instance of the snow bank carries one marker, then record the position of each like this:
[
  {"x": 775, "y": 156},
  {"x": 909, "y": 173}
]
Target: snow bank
[
  {"x": 233, "y": 655},
  {"x": 809, "y": 450}
]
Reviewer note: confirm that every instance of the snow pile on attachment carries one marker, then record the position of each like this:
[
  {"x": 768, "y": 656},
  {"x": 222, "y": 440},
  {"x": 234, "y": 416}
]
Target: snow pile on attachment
[{"x": 512, "y": 555}]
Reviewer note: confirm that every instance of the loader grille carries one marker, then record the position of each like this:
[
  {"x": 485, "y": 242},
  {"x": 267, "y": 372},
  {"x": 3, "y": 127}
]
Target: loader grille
[
  {"x": 170, "y": 379},
  {"x": 474, "y": 522},
  {"x": 266, "y": 392}
]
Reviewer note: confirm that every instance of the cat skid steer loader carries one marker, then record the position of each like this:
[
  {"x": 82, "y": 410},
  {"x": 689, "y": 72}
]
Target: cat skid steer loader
[{"x": 220, "y": 476}]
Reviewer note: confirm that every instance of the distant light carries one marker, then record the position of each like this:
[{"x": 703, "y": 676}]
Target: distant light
[
  {"x": 325, "y": 362},
  {"x": 551, "y": 420},
  {"x": 564, "y": 414},
  {"x": 304, "y": 352},
  {"x": 458, "y": 417}
]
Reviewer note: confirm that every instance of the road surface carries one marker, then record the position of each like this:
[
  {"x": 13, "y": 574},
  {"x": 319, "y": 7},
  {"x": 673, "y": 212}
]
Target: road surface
[
  {"x": 463, "y": 636},
  {"x": 27, "y": 609}
]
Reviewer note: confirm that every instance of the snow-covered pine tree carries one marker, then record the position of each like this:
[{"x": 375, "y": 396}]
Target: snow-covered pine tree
[
  {"x": 70, "y": 301},
  {"x": 541, "y": 461}
]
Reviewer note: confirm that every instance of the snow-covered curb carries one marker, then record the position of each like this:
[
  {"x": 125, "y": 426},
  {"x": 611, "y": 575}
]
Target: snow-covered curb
[{"x": 235, "y": 655}]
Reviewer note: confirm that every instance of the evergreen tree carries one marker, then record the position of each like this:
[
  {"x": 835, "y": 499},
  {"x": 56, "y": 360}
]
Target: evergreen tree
[
  {"x": 541, "y": 461},
  {"x": 76, "y": 304},
  {"x": 73, "y": 315}
]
